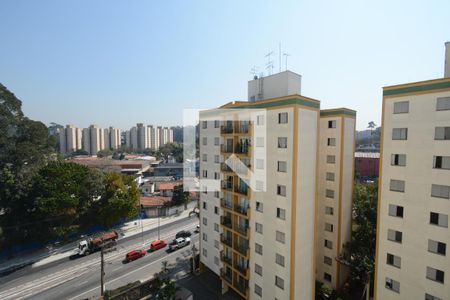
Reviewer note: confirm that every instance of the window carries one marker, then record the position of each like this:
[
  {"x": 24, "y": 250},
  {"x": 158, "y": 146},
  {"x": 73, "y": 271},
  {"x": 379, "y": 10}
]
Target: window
[
  {"x": 328, "y": 244},
  {"x": 331, "y": 142},
  {"x": 400, "y": 133},
  {"x": 282, "y": 118},
  {"x": 259, "y": 206},
  {"x": 398, "y": 160},
  {"x": 431, "y": 297},
  {"x": 282, "y": 166},
  {"x": 401, "y": 107},
  {"x": 216, "y": 227},
  {"x": 217, "y": 194},
  {"x": 258, "y": 290},
  {"x": 216, "y": 124},
  {"x": 204, "y": 124},
  {"x": 205, "y": 157},
  {"x": 440, "y": 191},
  {"x": 393, "y": 260},
  {"x": 279, "y": 282},
  {"x": 329, "y": 210},
  {"x": 395, "y": 236},
  {"x": 216, "y": 244},
  {"x": 205, "y": 141},
  {"x": 437, "y": 247},
  {"x": 258, "y": 269},
  {"x": 395, "y": 211},
  {"x": 216, "y": 141},
  {"x": 330, "y": 176},
  {"x": 327, "y": 276},
  {"x": 397, "y": 185},
  {"x": 332, "y": 124},
  {"x": 442, "y": 133},
  {"x": 331, "y": 159},
  {"x": 260, "y": 164},
  {"x": 259, "y": 141},
  {"x": 258, "y": 248},
  {"x": 439, "y": 219},
  {"x": 327, "y": 260},
  {"x": 258, "y": 228},
  {"x": 443, "y": 103},
  {"x": 216, "y": 159},
  {"x": 216, "y": 175},
  {"x": 392, "y": 285},
  {"x": 281, "y": 213},
  {"x": 435, "y": 274},
  {"x": 205, "y": 221},
  {"x": 259, "y": 185},
  {"x": 329, "y": 227},
  {"x": 205, "y": 237},
  {"x": 441, "y": 162},
  {"x": 279, "y": 259},
  {"x": 216, "y": 260},
  {"x": 282, "y": 142},
  {"x": 281, "y": 190},
  {"x": 329, "y": 193},
  {"x": 204, "y": 205},
  {"x": 205, "y": 173},
  {"x": 216, "y": 210},
  {"x": 280, "y": 237},
  {"x": 205, "y": 253},
  {"x": 260, "y": 120}
]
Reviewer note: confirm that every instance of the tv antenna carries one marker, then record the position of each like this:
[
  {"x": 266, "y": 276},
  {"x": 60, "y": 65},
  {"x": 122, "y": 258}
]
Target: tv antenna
[
  {"x": 254, "y": 71},
  {"x": 286, "y": 55}
]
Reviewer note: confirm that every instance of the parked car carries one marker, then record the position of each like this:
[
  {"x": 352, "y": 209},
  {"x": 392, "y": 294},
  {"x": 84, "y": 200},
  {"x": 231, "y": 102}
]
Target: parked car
[
  {"x": 179, "y": 243},
  {"x": 183, "y": 234},
  {"x": 197, "y": 229},
  {"x": 158, "y": 244},
  {"x": 134, "y": 254}
]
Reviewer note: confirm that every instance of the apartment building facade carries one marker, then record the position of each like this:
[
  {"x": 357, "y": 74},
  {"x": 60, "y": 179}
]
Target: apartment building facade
[
  {"x": 69, "y": 139},
  {"x": 143, "y": 137},
  {"x": 260, "y": 190},
  {"x": 412, "y": 260}
]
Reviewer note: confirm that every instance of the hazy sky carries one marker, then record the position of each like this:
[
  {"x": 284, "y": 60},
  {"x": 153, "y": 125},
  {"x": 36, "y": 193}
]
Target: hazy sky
[{"x": 122, "y": 62}]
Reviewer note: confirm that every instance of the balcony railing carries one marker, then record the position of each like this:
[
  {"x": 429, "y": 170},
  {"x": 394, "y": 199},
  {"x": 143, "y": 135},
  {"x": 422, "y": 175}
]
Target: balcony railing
[
  {"x": 242, "y": 209},
  {"x": 226, "y": 148},
  {"x": 241, "y": 190},
  {"x": 226, "y": 204},
  {"x": 227, "y": 185},
  {"x": 225, "y": 258},
  {"x": 225, "y": 168},
  {"x": 241, "y": 285},
  {"x": 241, "y": 268},
  {"x": 241, "y": 248},
  {"x": 225, "y": 275},
  {"x": 242, "y": 229},
  {"x": 242, "y": 128},
  {"x": 226, "y": 129},
  {"x": 241, "y": 149},
  {"x": 226, "y": 221},
  {"x": 225, "y": 239}
]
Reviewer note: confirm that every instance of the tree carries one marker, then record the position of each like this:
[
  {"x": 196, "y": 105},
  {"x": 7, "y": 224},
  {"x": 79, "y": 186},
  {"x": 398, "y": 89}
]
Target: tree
[
  {"x": 168, "y": 290},
  {"x": 105, "y": 153},
  {"x": 180, "y": 196},
  {"x": 120, "y": 199},
  {"x": 359, "y": 254}
]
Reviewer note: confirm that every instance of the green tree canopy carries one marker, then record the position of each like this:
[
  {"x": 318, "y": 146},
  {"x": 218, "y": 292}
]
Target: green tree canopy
[{"x": 180, "y": 196}]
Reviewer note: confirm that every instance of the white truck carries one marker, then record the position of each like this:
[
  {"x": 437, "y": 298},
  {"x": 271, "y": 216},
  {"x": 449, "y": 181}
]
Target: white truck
[
  {"x": 89, "y": 245},
  {"x": 179, "y": 243}
]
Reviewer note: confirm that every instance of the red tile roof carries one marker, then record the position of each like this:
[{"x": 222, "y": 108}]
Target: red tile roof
[
  {"x": 154, "y": 200},
  {"x": 170, "y": 185}
]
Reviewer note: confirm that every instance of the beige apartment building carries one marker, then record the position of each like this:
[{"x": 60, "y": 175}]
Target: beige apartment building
[
  {"x": 69, "y": 139},
  {"x": 264, "y": 165},
  {"x": 143, "y": 137},
  {"x": 412, "y": 260}
]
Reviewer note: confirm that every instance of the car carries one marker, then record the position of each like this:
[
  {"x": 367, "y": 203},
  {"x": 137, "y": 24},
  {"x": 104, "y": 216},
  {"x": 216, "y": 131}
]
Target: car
[
  {"x": 197, "y": 229},
  {"x": 134, "y": 254},
  {"x": 179, "y": 243},
  {"x": 158, "y": 244},
  {"x": 183, "y": 234}
]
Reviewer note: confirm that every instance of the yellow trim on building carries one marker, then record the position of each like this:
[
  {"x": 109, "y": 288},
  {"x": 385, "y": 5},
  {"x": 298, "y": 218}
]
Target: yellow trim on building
[
  {"x": 341, "y": 174},
  {"x": 316, "y": 208}
]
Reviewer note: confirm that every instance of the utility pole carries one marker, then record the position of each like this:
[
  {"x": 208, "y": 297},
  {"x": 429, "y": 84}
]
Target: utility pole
[{"x": 102, "y": 274}]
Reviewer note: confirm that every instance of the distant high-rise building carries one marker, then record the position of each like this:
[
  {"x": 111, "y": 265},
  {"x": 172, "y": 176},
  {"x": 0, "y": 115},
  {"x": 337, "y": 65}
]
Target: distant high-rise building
[
  {"x": 142, "y": 137},
  {"x": 69, "y": 139},
  {"x": 114, "y": 138}
]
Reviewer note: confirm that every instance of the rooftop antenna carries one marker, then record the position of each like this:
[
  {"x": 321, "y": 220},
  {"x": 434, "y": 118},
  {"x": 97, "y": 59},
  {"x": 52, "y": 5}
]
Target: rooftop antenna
[
  {"x": 286, "y": 58},
  {"x": 279, "y": 56},
  {"x": 254, "y": 72},
  {"x": 269, "y": 65}
]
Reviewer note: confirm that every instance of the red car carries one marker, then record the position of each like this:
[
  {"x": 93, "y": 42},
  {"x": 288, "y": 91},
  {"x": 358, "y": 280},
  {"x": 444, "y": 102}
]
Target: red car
[
  {"x": 158, "y": 244},
  {"x": 134, "y": 254}
]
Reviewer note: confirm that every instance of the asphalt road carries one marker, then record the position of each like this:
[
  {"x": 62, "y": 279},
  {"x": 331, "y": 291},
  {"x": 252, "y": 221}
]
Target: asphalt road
[{"x": 80, "y": 278}]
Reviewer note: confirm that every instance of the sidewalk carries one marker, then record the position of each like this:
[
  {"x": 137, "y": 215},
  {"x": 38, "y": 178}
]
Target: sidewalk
[{"x": 50, "y": 254}]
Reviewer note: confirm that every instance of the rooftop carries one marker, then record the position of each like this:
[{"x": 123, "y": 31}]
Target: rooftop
[{"x": 154, "y": 200}]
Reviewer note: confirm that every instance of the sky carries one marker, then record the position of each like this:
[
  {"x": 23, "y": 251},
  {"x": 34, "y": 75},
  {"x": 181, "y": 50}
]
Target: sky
[{"x": 118, "y": 63}]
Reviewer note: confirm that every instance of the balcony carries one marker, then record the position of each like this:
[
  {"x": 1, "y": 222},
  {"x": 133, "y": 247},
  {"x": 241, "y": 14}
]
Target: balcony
[
  {"x": 242, "y": 268},
  {"x": 243, "y": 127},
  {"x": 226, "y": 275},
  {"x": 242, "y": 229},
  {"x": 225, "y": 168},
  {"x": 225, "y": 240},
  {"x": 241, "y": 286},
  {"x": 227, "y": 185},
  {"x": 225, "y": 258},
  {"x": 226, "y": 148},
  {"x": 226, "y": 129},
  {"x": 226, "y": 221},
  {"x": 226, "y": 204},
  {"x": 243, "y": 190},
  {"x": 242, "y": 248},
  {"x": 242, "y": 209},
  {"x": 241, "y": 149}
]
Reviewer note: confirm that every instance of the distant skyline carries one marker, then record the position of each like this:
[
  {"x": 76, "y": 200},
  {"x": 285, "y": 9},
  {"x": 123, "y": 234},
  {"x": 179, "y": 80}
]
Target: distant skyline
[{"x": 116, "y": 63}]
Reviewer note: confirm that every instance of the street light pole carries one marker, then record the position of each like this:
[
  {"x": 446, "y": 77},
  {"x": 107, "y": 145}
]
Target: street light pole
[
  {"x": 158, "y": 222},
  {"x": 102, "y": 274}
]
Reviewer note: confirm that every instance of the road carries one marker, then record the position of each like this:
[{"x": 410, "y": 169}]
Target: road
[{"x": 80, "y": 278}]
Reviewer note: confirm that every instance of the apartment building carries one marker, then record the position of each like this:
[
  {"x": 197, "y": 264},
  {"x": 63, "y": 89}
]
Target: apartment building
[
  {"x": 412, "y": 260},
  {"x": 263, "y": 170},
  {"x": 143, "y": 137},
  {"x": 69, "y": 139},
  {"x": 114, "y": 138}
]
